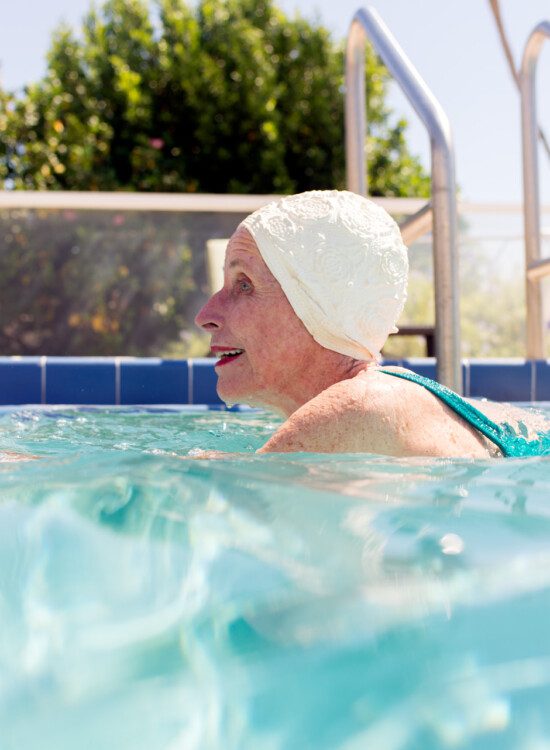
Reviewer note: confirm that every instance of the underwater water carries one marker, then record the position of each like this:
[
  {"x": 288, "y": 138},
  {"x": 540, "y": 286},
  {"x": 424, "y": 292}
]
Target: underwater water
[{"x": 285, "y": 602}]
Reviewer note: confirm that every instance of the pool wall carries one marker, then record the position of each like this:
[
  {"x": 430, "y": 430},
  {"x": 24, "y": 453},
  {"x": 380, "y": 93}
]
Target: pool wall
[{"x": 128, "y": 380}]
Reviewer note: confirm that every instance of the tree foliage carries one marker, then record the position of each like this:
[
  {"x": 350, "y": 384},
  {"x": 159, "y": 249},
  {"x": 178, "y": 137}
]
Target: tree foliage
[
  {"x": 221, "y": 96},
  {"x": 103, "y": 282},
  {"x": 225, "y": 96}
]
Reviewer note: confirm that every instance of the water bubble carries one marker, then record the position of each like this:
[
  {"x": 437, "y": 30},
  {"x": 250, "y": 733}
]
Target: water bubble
[{"x": 451, "y": 544}]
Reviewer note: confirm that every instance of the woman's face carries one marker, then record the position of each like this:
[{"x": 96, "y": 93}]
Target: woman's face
[{"x": 265, "y": 353}]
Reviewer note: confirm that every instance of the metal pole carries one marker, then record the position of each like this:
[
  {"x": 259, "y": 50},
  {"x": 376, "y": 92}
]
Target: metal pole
[
  {"x": 445, "y": 260},
  {"x": 531, "y": 202},
  {"x": 417, "y": 225},
  {"x": 356, "y": 111},
  {"x": 443, "y": 176}
]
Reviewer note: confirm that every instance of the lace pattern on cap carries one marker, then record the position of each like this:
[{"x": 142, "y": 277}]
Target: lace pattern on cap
[{"x": 341, "y": 262}]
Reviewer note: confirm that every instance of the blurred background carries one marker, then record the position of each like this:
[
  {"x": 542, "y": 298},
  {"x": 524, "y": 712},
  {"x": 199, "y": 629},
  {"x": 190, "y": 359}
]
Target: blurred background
[{"x": 239, "y": 97}]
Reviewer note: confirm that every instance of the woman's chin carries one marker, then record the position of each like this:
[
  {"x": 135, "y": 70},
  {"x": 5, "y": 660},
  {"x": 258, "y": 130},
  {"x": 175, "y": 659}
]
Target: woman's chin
[
  {"x": 237, "y": 393},
  {"x": 232, "y": 393},
  {"x": 241, "y": 387}
]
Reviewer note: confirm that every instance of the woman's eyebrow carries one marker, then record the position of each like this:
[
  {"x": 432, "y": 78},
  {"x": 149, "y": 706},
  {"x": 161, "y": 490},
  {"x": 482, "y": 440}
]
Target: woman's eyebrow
[{"x": 238, "y": 262}]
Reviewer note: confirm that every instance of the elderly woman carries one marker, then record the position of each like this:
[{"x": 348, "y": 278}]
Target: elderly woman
[{"x": 313, "y": 285}]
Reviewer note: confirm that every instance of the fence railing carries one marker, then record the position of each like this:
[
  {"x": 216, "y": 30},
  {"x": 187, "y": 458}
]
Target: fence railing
[
  {"x": 367, "y": 23},
  {"x": 535, "y": 267}
]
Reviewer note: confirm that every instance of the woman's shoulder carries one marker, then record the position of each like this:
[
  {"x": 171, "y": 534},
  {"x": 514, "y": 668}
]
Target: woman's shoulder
[
  {"x": 348, "y": 416},
  {"x": 375, "y": 413}
]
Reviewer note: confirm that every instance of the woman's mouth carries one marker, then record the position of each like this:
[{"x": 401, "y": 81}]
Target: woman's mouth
[{"x": 230, "y": 355}]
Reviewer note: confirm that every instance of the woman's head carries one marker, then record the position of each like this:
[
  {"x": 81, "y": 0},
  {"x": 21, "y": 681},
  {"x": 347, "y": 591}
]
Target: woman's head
[
  {"x": 266, "y": 355},
  {"x": 311, "y": 281},
  {"x": 342, "y": 264}
]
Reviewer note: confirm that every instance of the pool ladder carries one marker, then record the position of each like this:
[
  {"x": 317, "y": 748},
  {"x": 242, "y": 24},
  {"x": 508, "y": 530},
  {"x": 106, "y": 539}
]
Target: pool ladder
[
  {"x": 536, "y": 268},
  {"x": 440, "y": 214}
]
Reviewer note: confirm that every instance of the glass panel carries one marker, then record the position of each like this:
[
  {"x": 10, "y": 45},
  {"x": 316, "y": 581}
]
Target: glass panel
[
  {"x": 94, "y": 282},
  {"x": 104, "y": 282},
  {"x": 492, "y": 287}
]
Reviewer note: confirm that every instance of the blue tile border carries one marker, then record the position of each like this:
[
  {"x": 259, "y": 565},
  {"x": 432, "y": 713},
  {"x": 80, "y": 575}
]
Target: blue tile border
[
  {"x": 153, "y": 381},
  {"x": 502, "y": 380},
  {"x": 203, "y": 389},
  {"x": 75, "y": 380},
  {"x": 148, "y": 381},
  {"x": 542, "y": 379},
  {"x": 20, "y": 381}
]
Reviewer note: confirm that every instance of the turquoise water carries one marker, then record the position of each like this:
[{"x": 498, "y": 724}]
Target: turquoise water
[{"x": 264, "y": 602}]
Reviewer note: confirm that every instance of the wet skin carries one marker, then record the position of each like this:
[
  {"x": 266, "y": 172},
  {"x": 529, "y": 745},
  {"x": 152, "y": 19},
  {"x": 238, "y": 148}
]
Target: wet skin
[
  {"x": 332, "y": 403},
  {"x": 281, "y": 366}
]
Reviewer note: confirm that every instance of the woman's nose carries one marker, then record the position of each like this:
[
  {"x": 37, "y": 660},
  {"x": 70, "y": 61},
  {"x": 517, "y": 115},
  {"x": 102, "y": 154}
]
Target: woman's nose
[{"x": 209, "y": 316}]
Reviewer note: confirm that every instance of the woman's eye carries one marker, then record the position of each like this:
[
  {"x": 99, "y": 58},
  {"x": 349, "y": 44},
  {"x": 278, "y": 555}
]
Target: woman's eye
[{"x": 243, "y": 285}]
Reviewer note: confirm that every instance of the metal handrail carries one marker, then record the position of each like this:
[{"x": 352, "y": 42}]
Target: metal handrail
[
  {"x": 535, "y": 268},
  {"x": 181, "y": 202},
  {"x": 367, "y": 23},
  {"x": 417, "y": 225}
]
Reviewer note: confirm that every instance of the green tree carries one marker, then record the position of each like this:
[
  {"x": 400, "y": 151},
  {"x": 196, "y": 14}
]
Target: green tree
[
  {"x": 95, "y": 283},
  {"x": 224, "y": 96},
  {"x": 227, "y": 96}
]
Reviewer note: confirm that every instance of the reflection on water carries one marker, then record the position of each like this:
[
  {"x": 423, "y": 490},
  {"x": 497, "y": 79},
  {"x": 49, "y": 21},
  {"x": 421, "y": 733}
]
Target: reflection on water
[{"x": 277, "y": 602}]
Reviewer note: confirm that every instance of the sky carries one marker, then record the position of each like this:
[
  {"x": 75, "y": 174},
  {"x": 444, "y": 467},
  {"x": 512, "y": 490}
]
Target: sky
[{"x": 452, "y": 43}]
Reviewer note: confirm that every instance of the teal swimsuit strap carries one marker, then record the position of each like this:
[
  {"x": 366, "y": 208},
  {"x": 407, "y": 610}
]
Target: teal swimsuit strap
[{"x": 463, "y": 408}]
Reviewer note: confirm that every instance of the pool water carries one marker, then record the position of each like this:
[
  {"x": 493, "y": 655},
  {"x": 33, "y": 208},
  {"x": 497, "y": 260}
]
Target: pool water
[{"x": 286, "y": 602}]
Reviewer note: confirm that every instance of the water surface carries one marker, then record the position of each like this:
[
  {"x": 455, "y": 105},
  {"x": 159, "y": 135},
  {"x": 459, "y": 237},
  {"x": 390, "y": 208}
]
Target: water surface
[{"x": 150, "y": 601}]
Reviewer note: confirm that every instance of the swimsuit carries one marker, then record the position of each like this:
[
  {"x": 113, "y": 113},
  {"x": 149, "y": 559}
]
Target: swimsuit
[{"x": 503, "y": 435}]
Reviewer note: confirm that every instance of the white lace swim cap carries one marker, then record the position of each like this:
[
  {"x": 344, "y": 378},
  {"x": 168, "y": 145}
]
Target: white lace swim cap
[{"x": 342, "y": 264}]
